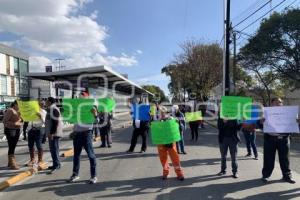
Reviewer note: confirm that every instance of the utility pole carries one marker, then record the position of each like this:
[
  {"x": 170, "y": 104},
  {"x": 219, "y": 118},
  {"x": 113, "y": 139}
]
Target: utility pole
[
  {"x": 59, "y": 63},
  {"x": 226, "y": 71},
  {"x": 234, "y": 71}
]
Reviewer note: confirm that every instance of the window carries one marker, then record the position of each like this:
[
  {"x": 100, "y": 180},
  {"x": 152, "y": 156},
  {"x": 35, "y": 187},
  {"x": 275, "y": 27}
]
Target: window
[
  {"x": 16, "y": 66},
  {"x": 17, "y": 85},
  {"x": 23, "y": 67},
  {"x": 3, "y": 81},
  {"x": 24, "y": 89}
]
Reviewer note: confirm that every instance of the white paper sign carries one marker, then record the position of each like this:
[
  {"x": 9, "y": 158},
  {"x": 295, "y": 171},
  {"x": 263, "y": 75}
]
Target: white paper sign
[
  {"x": 281, "y": 119},
  {"x": 137, "y": 123}
]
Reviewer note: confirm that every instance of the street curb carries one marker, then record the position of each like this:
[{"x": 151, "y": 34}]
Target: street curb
[
  {"x": 25, "y": 174},
  {"x": 15, "y": 179}
]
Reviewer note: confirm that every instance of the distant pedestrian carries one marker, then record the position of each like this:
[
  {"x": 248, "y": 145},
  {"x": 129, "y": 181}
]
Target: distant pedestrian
[
  {"x": 54, "y": 131},
  {"x": 105, "y": 128},
  {"x": 194, "y": 127},
  {"x": 229, "y": 139},
  {"x": 35, "y": 137},
  {"x": 250, "y": 137},
  {"x": 96, "y": 130},
  {"x": 24, "y": 129},
  {"x": 140, "y": 128},
  {"x": 12, "y": 124},
  {"x": 181, "y": 121}
]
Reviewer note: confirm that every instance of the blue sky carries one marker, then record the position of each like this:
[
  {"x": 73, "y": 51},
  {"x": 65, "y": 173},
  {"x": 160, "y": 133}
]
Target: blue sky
[{"x": 136, "y": 37}]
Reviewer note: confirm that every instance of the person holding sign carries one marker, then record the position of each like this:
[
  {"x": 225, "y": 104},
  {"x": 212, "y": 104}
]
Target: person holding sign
[
  {"x": 12, "y": 124},
  {"x": 169, "y": 150},
  {"x": 83, "y": 138},
  {"x": 180, "y": 118},
  {"x": 35, "y": 136},
  {"x": 54, "y": 131},
  {"x": 229, "y": 139},
  {"x": 276, "y": 142}
]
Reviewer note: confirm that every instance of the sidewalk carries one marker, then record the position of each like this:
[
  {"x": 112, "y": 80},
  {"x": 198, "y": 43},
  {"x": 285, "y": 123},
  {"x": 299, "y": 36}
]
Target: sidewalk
[{"x": 138, "y": 176}]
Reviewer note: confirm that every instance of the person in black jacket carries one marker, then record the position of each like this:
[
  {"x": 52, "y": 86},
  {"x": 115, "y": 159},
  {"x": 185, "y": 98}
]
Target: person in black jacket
[
  {"x": 276, "y": 142},
  {"x": 229, "y": 139}
]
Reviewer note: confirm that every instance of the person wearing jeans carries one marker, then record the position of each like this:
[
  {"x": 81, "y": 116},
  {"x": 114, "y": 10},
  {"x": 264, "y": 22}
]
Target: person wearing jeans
[
  {"x": 35, "y": 136},
  {"x": 54, "y": 130},
  {"x": 250, "y": 137},
  {"x": 83, "y": 138},
  {"x": 12, "y": 124}
]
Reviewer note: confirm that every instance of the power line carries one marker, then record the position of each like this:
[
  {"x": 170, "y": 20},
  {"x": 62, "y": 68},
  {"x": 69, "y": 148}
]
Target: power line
[
  {"x": 264, "y": 15},
  {"x": 242, "y": 14},
  {"x": 252, "y": 13}
]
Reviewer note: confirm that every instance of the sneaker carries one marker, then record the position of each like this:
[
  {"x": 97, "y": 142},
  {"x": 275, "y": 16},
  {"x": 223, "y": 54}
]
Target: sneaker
[
  {"x": 142, "y": 151},
  {"x": 184, "y": 153},
  {"x": 235, "y": 175},
  {"x": 73, "y": 179},
  {"x": 255, "y": 158},
  {"x": 109, "y": 146},
  {"x": 129, "y": 151},
  {"x": 248, "y": 155},
  {"x": 221, "y": 173},
  {"x": 180, "y": 178},
  {"x": 102, "y": 146},
  {"x": 164, "y": 177},
  {"x": 265, "y": 179},
  {"x": 289, "y": 180},
  {"x": 93, "y": 180}
]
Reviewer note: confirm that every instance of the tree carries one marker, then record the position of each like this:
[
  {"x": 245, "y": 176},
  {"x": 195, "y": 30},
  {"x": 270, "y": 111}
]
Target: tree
[
  {"x": 276, "y": 46},
  {"x": 159, "y": 94},
  {"x": 196, "y": 70}
]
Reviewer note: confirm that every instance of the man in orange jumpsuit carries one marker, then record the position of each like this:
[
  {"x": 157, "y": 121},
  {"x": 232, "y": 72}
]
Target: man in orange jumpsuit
[{"x": 169, "y": 149}]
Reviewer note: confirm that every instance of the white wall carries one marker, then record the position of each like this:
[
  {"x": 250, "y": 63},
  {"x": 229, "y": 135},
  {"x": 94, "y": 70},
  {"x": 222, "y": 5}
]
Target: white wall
[
  {"x": 11, "y": 61},
  {"x": 2, "y": 63},
  {"x": 8, "y": 86}
]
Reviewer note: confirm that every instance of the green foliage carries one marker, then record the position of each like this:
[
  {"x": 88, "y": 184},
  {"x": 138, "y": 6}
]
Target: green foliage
[
  {"x": 159, "y": 94},
  {"x": 195, "y": 71}
]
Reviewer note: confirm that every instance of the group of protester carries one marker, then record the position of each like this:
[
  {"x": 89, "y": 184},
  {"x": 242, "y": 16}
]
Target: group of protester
[{"x": 50, "y": 125}]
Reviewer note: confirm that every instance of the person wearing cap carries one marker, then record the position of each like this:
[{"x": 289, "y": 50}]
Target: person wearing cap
[
  {"x": 181, "y": 120},
  {"x": 169, "y": 150},
  {"x": 35, "y": 137},
  {"x": 54, "y": 131},
  {"x": 83, "y": 138},
  {"x": 276, "y": 142},
  {"x": 12, "y": 123}
]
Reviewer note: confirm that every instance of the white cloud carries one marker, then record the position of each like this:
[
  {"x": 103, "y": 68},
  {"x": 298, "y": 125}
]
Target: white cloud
[
  {"x": 37, "y": 63},
  {"x": 139, "y": 51},
  {"x": 56, "y": 28}
]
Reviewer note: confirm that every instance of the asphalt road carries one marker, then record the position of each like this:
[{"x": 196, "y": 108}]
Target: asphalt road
[{"x": 138, "y": 176}]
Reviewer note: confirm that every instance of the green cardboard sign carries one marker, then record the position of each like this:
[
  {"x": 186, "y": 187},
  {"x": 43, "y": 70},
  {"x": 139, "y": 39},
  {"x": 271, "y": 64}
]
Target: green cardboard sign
[
  {"x": 106, "y": 104},
  {"x": 78, "y": 111},
  {"x": 233, "y": 107},
  {"x": 165, "y": 132},
  {"x": 193, "y": 116}
]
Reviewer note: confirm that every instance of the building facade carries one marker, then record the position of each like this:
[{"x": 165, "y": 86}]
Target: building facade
[{"x": 14, "y": 65}]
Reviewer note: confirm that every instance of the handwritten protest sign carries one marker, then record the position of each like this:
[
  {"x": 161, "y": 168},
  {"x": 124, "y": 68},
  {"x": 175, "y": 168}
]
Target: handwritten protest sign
[
  {"x": 281, "y": 119},
  {"x": 29, "y": 110},
  {"x": 165, "y": 132},
  {"x": 233, "y": 107}
]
